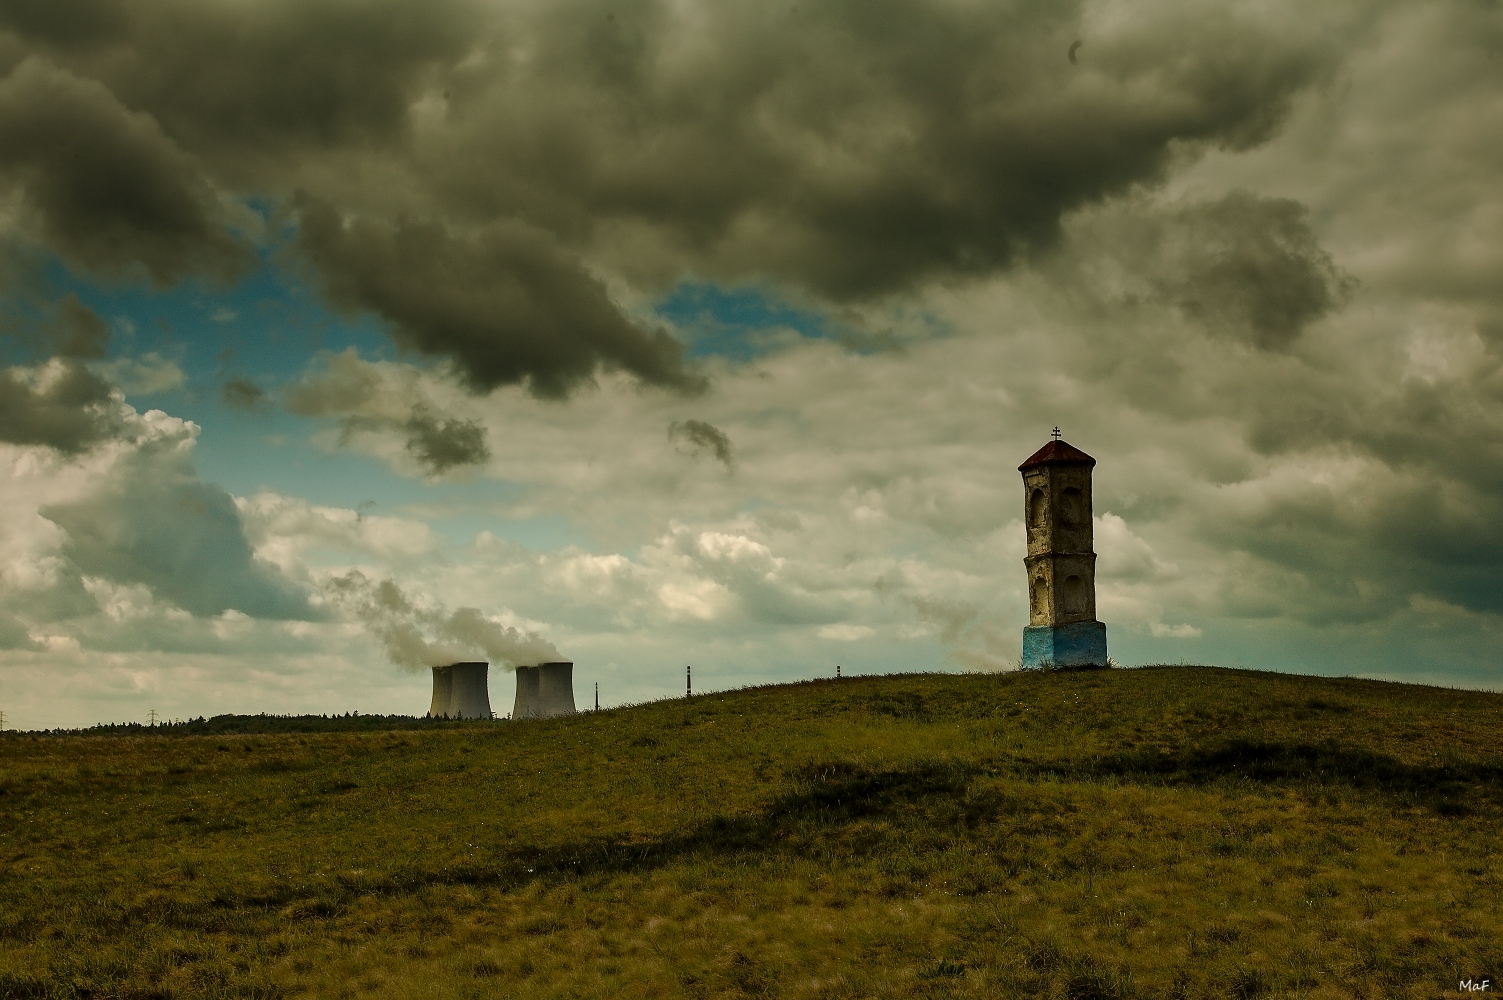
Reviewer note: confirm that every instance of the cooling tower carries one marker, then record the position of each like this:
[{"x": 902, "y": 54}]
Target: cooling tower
[
  {"x": 443, "y": 688},
  {"x": 544, "y": 691},
  {"x": 527, "y": 694},
  {"x": 460, "y": 692},
  {"x": 470, "y": 698},
  {"x": 555, "y": 689}
]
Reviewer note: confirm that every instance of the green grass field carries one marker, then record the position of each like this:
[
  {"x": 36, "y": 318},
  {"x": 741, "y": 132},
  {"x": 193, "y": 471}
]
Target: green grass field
[{"x": 1162, "y": 832}]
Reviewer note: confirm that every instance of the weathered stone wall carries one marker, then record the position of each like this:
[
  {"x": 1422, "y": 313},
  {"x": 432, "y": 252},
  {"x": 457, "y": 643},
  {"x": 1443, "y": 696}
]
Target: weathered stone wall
[{"x": 1057, "y": 505}]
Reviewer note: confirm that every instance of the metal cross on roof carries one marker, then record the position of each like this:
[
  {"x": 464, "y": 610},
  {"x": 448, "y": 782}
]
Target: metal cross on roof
[{"x": 1054, "y": 433}]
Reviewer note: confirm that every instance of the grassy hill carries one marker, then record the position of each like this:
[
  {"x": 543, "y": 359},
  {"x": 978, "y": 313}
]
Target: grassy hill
[{"x": 1165, "y": 832}]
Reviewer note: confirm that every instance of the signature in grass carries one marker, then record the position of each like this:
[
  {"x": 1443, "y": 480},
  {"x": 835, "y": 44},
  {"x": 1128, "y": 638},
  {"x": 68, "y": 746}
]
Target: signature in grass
[{"x": 1475, "y": 985}]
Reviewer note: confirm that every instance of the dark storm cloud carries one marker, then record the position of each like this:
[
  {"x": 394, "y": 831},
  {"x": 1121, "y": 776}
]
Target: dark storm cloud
[
  {"x": 65, "y": 328},
  {"x": 247, "y": 85},
  {"x": 1366, "y": 482},
  {"x": 109, "y": 191},
  {"x": 242, "y": 394},
  {"x": 156, "y": 523},
  {"x": 508, "y": 304},
  {"x": 1251, "y": 267},
  {"x": 853, "y": 148},
  {"x": 14, "y": 634},
  {"x": 354, "y": 391},
  {"x": 1354, "y": 550},
  {"x": 60, "y": 405},
  {"x": 471, "y": 168},
  {"x": 78, "y": 332},
  {"x": 80, "y": 21},
  {"x": 1241, "y": 267},
  {"x": 699, "y": 436},
  {"x": 441, "y": 445},
  {"x": 1429, "y": 517}
]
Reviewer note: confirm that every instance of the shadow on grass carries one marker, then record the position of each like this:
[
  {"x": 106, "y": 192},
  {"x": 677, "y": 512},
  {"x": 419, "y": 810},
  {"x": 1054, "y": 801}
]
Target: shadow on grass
[
  {"x": 829, "y": 802},
  {"x": 828, "y": 798},
  {"x": 1451, "y": 788},
  {"x": 838, "y": 808}
]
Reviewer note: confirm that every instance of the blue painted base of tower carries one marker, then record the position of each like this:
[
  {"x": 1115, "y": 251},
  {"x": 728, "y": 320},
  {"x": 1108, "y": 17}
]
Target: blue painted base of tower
[{"x": 1081, "y": 644}]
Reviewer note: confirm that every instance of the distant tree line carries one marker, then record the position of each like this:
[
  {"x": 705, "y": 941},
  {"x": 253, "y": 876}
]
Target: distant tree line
[{"x": 248, "y": 724}]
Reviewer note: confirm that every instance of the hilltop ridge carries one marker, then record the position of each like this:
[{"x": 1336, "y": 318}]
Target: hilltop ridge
[{"x": 1183, "y": 831}]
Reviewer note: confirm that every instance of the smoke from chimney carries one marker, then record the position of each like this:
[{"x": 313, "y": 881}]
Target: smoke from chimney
[{"x": 415, "y": 637}]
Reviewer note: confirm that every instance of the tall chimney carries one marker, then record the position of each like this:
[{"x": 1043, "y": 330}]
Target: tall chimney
[{"x": 526, "y": 706}]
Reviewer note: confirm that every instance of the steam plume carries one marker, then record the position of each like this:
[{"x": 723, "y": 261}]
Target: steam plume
[{"x": 416, "y": 637}]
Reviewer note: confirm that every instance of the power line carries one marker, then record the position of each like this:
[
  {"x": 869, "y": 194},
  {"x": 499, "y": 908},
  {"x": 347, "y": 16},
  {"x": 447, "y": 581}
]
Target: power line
[{"x": 153, "y": 716}]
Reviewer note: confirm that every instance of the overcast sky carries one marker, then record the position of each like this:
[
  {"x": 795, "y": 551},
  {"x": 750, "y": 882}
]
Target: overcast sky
[{"x": 344, "y": 338}]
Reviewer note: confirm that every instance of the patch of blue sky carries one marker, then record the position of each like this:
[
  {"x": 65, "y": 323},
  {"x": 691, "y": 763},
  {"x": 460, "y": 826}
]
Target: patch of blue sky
[
  {"x": 250, "y": 453},
  {"x": 745, "y": 322},
  {"x": 739, "y": 323},
  {"x": 267, "y": 328},
  {"x": 264, "y": 327}
]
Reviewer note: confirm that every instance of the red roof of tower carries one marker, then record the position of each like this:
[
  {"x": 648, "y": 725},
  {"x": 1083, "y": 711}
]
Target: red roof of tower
[{"x": 1057, "y": 453}]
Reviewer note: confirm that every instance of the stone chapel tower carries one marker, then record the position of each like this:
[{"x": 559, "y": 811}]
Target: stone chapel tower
[{"x": 1062, "y": 627}]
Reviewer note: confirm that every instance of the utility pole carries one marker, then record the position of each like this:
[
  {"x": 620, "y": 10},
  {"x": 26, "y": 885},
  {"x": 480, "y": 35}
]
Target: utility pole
[
  {"x": 597, "y": 696},
  {"x": 837, "y": 671},
  {"x": 689, "y": 682},
  {"x": 153, "y": 716},
  {"x": 2, "y": 722}
]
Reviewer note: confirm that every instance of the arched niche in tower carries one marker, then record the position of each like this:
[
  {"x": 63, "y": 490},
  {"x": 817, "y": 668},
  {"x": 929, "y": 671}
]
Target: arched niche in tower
[
  {"x": 1037, "y": 506},
  {"x": 1071, "y": 507},
  {"x": 1074, "y": 594}
]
